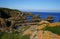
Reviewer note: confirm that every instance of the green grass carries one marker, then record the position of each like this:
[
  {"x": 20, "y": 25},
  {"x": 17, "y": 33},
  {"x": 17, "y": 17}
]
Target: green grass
[
  {"x": 25, "y": 37},
  {"x": 55, "y": 30},
  {"x": 26, "y": 27},
  {"x": 4, "y": 35},
  {"x": 14, "y": 35}
]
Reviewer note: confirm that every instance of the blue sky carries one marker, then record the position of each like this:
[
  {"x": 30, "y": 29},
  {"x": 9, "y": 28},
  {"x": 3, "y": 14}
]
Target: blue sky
[{"x": 32, "y": 5}]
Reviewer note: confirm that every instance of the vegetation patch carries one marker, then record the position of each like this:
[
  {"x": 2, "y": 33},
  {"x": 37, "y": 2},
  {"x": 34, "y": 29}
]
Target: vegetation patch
[
  {"x": 25, "y": 37},
  {"x": 55, "y": 30},
  {"x": 14, "y": 35},
  {"x": 26, "y": 27}
]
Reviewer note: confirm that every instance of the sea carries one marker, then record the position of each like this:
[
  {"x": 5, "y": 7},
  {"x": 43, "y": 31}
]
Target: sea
[{"x": 44, "y": 15}]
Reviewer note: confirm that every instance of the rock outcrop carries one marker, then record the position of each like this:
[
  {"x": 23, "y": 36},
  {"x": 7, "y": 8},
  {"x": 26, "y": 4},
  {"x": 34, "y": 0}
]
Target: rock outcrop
[{"x": 50, "y": 19}]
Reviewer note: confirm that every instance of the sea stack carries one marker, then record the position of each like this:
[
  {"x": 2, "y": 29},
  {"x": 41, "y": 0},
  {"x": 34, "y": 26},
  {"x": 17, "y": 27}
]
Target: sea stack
[
  {"x": 36, "y": 18},
  {"x": 50, "y": 19}
]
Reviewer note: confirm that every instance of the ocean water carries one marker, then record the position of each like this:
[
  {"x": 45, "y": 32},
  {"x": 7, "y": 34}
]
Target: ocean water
[{"x": 44, "y": 15}]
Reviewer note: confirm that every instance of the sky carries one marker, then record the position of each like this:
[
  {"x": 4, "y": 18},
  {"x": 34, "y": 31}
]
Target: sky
[{"x": 32, "y": 5}]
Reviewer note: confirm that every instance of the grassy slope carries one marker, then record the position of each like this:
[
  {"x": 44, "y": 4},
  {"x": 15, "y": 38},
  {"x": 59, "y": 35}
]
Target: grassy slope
[
  {"x": 55, "y": 30},
  {"x": 14, "y": 35},
  {"x": 25, "y": 37}
]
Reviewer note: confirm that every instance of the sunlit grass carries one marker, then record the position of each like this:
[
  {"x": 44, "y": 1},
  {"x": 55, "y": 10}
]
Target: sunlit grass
[
  {"x": 25, "y": 37},
  {"x": 55, "y": 30},
  {"x": 14, "y": 34}
]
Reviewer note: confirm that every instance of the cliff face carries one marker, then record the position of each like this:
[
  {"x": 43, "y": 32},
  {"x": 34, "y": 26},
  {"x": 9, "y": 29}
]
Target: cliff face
[{"x": 6, "y": 12}]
